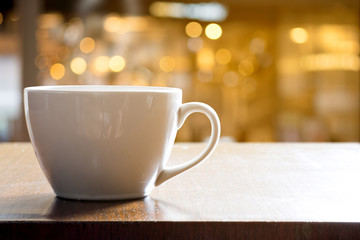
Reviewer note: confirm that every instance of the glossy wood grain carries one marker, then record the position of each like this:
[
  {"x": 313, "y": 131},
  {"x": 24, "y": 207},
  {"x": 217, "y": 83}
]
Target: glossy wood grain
[{"x": 272, "y": 191}]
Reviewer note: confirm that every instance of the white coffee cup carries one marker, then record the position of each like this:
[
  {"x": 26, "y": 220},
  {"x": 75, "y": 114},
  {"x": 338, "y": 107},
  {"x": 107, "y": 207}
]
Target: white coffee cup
[{"x": 109, "y": 142}]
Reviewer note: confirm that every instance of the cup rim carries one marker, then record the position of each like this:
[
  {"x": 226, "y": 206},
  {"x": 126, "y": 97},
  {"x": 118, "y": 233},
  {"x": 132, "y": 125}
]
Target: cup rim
[{"x": 102, "y": 88}]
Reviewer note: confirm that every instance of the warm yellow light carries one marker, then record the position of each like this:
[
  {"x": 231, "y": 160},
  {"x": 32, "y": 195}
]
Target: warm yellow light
[
  {"x": 159, "y": 9},
  {"x": 78, "y": 65},
  {"x": 223, "y": 56},
  {"x": 338, "y": 38},
  {"x": 112, "y": 22},
  {"x": 87, "y": 45},
  {"x": 101, "y": 64},
  {"x": 328, "y": 62},
  {"x": 49, "y": 20},
  {"x": 298, "y": 35},
  {"x": 167, "y": 64},
  {"x": 202, "y": 11},
  {"x": 1, "y": 18},
  {"x": 117, "y": 63},
  {"x": 14, "y": 17},
  {"x": 134, "y": 24},
  {"x": 205, "y": 59},
  {"x": 57, "y": 71},
  {"x": 246, "y": 67},
  {"x": 193, "y": 29},
  {"x": 213, "y": 31},
  {"x": 257, "y": 45}
]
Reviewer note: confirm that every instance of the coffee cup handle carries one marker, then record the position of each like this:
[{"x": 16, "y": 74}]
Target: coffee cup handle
[{"x": 184, "y": 111}]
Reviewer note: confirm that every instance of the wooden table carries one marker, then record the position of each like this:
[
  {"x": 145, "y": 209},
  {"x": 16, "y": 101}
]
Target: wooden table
[{"x": 243, "y": 191}]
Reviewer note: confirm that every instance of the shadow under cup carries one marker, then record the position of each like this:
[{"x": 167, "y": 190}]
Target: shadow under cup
[{"x": 102, "y": 142}]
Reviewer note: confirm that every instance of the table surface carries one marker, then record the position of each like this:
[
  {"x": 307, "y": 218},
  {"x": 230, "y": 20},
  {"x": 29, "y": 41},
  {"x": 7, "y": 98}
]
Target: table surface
[{"x": 295, "y": 184}]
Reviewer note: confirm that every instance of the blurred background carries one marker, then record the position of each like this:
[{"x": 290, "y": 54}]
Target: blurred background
[{"x": 274, "y": 70}]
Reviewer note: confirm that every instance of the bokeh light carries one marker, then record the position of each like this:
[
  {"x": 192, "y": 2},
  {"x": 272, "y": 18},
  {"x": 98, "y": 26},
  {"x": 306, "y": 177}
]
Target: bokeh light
[
  {"x": 299, "y": 35},
  {"x": 326, "y": 62},
  {"x": 78, "y": 65},
  {"x": 193, "y": 29},
  {"x": 167, "y": 64},
  {"x": 50, "y": 20},
  {"x": 14, "y": 16},
  {"x": 246, "y": 67},
  {"x": 133, "y": 24},
  {"x": 257, "y": 45},
  {"x": 117, "y": 63},
  {"x": 223, "y": 56},
  {"x": 73, "y": 31},
  {"x": 213, "y": 31},
  {"x": 159, "y": 9},
  {"x": 205, "y": 59},
  {"x": 1, "y": 18},
  {"x": 87, "y": 45},
  {"x": 231, "y": 79},
  {"x": 101, "y": 64},
  {"x": 57, "y": 71},
  {"x": 42, "y": 61},
  {"x": 252, "y": 59},
  {"x": 202, "y": 11},
  {"x": 112, "y": 22}
]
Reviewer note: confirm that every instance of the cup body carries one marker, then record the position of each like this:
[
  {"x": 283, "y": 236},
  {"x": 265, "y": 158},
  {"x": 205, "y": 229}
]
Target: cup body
[{"x": 102, "y": 142}]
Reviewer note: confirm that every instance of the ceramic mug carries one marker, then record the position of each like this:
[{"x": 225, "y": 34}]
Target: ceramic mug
[{"x": 109, "y": 142}]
